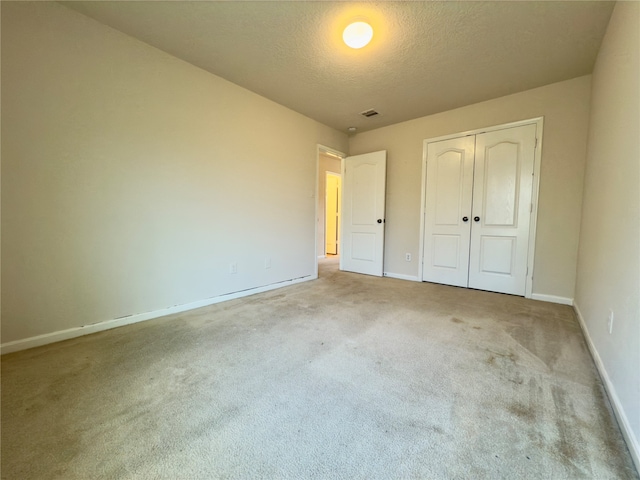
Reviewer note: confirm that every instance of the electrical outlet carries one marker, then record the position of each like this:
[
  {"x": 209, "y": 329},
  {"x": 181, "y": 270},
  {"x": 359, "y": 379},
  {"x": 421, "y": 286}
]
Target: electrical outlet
[
  {"x": 267, "y": 262},
  {"x": 610, "y": 321},
  {"x": 407, "y": 257},
  {"x": 233, "y": 267}
]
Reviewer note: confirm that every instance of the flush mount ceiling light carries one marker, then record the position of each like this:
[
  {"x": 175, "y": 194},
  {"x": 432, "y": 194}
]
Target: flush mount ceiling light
[{"x": 358, "y": 34}]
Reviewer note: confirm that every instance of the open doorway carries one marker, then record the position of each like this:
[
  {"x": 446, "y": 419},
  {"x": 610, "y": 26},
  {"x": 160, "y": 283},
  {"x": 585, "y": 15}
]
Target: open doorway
[
  {"x": 328, "y": 208},
  {"x": 332, "y": 199}
]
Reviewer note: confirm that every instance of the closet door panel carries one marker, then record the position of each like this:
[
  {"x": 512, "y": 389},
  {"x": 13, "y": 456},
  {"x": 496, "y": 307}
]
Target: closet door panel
[
  {"x": 502, "y": 190},
  {"x": 449, "y": 186},
  {"x": 500, "y": 202}
]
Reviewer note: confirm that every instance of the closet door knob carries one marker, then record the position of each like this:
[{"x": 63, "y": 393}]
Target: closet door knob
[
  {"x": 465, "y": 219},
  {"x": 476, "y": 219},
  {"x": 379, "y": 220}
]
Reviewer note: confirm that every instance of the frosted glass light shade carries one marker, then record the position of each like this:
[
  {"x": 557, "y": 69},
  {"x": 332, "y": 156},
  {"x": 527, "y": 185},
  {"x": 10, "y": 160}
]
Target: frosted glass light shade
[{"x": 358, "y": 34}]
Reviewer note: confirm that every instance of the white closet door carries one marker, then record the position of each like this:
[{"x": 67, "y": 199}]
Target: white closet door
[
  {"x": 447, "y": 221},
  {"x": 363, "y": 198},
  {"x": 501, "y": 209}
]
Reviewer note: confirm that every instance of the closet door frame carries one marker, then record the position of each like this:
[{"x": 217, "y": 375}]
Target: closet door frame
[{"x": 538, "y": 121}]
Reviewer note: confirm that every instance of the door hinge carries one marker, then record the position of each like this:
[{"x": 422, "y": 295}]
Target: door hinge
[
  {"x": 531, "y": 209},
  {"x": 536, "y": 145}
]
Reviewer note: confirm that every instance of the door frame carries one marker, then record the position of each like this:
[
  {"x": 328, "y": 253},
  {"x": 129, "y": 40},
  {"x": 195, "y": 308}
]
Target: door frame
[
  {"x": 538, "y": 121},
  {"x": 332, "y": 152}
]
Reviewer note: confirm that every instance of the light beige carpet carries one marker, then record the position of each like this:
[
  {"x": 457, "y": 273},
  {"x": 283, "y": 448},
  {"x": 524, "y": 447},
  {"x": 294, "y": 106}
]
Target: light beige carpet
[{"x": 348, "y": 376}]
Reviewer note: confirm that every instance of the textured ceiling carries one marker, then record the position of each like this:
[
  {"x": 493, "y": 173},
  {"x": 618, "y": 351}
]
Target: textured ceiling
[{"x": 425, "y": 57}]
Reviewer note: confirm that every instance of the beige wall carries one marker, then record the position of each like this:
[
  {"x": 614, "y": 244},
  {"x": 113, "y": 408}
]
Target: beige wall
[
  {"x": 565, "y": 107},
  {"x": 326, "y": 164},
  {"x": 609, "y": 256},
  {"x": 131, "y": 179}
]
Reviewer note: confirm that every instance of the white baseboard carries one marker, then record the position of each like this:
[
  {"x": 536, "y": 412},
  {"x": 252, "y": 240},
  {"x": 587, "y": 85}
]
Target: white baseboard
[
  {"x": 400, "y": 276},
  {"x": 322, "y": 256},
  {"x": 552, "y": 298},
  {"x": 69, "y": 333},
  {"x": 618, "y": 410}
]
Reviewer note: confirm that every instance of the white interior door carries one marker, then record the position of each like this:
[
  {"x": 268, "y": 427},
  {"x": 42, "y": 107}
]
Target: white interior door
[
  {"x": 447, "y": 222},
  {"x": 504, "y": 161},
  {"x": 363, "y": 195}
]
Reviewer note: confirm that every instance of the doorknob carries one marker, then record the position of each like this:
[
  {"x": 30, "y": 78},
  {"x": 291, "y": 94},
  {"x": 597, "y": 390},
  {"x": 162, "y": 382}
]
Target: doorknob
[
  {"x": 379, "y": 220},
  {"x": 465, "y": 219},
  {"x": 476, "y": 219}
]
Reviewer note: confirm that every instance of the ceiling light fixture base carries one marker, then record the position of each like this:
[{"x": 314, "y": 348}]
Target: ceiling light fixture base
[{"x": 357, "y": 34}]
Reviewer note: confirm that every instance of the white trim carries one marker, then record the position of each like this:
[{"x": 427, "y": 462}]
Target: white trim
[
  {"x": 423, "y": 196},
  {"x": 343, "y": 166},
  {"x": 552, "y": 298},
  {"x": 539, "y": 122},
  {"x": 69, "y": 333},
  {"x": 321, "y": 257},
  {"x": 331, "y": 151},
  {"x": 618, "y": 410},
  {"x": 533, "y": 219},
  {"x": 491, "y": 128},
  {"x": 334, "y": 153},
  {"x": 400, "y": 276}
]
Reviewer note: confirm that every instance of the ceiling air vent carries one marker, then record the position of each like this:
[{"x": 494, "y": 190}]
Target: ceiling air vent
[{"x": 369, "y": 113}]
